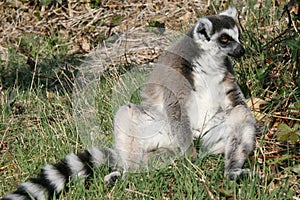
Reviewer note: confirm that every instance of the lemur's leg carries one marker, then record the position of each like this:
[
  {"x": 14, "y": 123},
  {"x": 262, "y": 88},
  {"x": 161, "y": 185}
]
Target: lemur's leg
[
  {"x": 128, "y": 153},
  {"x": 168, "y": 87},
  {"x": 233, "y": 134},
  {"x": 138, "y": 134},
  {"x": 142, "y": 138},
  {"x": 127, "y": 139},
  {"x": 241, "y": 141},
  {"x": 180, "y": 124}
]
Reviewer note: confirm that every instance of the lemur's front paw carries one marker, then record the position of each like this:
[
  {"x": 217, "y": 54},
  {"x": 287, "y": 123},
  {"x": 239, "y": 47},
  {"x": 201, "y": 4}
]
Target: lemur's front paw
[
  {"x": 233, "y": 174},
  {"x": 111, "y": 178}
]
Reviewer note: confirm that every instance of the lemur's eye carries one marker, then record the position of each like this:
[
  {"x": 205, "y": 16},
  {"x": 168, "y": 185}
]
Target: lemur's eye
[{"x": 224, "y": 39}]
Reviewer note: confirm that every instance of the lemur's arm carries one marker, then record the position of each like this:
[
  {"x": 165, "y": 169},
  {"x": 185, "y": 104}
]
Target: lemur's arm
[{"x": 180, "y": 124}]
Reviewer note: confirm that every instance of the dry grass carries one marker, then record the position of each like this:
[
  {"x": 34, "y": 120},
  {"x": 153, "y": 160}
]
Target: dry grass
[
  {"x": 76, "y": 29},
  {"x": 82, "y": 28}
]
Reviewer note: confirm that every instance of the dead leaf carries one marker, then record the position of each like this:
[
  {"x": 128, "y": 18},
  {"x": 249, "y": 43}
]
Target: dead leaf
[
  {"x": 256, "y": 105},
  {"x": 85, "y": 45}
]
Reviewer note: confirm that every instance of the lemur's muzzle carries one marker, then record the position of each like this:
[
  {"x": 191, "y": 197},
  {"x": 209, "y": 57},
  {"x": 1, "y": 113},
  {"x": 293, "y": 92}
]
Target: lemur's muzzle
[{"x": 238, "y": 52}]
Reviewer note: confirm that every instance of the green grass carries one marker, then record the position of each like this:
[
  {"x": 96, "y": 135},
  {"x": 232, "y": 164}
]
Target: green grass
[
  {"x": 37, "y": 125},
  {"x": 183, "y": 180}
]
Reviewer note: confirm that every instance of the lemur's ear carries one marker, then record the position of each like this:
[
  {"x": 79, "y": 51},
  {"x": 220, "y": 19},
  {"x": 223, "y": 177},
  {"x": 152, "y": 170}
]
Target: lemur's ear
[
  {"x": 231, "y": 12},
  {"x": 203, "y": 29}
]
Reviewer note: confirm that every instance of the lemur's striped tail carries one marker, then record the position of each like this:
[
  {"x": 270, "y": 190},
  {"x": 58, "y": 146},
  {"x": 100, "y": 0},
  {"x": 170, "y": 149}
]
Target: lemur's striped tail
[{"x": 54, "y": 177}]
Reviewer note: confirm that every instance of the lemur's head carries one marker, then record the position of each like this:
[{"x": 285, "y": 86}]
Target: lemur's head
[{"x": 219, "y": 34}]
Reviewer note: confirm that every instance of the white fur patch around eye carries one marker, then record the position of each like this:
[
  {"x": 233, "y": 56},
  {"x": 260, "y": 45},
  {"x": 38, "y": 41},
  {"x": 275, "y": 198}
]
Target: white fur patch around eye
[{"x": 234, "y": 33}]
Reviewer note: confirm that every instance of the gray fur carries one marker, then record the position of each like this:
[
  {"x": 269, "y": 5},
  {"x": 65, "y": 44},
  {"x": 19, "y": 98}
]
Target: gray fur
[{"x": 192, "y": 93}]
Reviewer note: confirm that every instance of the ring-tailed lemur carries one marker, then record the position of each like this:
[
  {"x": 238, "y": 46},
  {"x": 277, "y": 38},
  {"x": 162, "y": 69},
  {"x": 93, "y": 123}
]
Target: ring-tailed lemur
[{"x": 191, "y": 93}]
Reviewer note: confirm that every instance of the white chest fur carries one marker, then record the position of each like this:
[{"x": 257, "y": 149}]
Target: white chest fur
[{"x": 207, "y": 99}]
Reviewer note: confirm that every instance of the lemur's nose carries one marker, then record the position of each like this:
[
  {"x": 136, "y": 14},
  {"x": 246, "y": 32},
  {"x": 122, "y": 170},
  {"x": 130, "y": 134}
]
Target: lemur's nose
[{"x": 239, "y": 51}]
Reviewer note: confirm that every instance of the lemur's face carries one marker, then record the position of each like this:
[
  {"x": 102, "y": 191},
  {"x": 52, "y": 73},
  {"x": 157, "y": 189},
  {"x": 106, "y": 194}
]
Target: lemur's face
[
  {"x": 228, "y": 43},
  {"x": 219, "y": 34}
]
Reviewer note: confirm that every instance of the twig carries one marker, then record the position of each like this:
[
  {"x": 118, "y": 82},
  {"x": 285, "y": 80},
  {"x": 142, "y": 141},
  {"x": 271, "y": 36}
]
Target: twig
[
  {"x": 283, "y": 117},
  {"x": 4, "y": 146},
  {"x": 139, "y": 193},
  {"x": 210, "y": 194},
  {"x": 272, "y": 157},
  {"x": 6, "y": 130},
  {"x": 33, "y": 75},
  {"x": 276, "y": 38}
]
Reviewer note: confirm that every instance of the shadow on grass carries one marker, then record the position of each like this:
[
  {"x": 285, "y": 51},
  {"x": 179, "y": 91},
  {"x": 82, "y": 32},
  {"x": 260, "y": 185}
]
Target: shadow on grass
[{"x": 54, "y": 73}]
